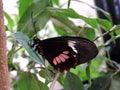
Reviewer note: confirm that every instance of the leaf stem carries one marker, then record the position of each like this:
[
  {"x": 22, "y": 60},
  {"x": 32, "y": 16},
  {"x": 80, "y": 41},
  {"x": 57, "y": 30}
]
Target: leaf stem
[{"x": 88, "y": 73}]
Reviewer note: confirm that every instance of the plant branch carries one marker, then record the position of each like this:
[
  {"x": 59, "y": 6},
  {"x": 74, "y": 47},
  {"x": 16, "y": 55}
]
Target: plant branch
[{"x": 114, "y": 28}]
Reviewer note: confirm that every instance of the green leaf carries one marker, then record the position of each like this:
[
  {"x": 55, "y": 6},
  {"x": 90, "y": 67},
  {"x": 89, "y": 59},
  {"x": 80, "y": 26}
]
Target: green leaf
[
  {"x": 24, "y": 40},
  {"x": 115, "y": 85},
  {"x": 101, "y": 83},
  {"x": 91, "y": 21},
  {"x": 38, "y": 13},
  {"x": 65, "y": 25},
  {"x": 72, "y": 14},
  {"x": 107, "y": 25},
  {"x": 117, "y": 31},
  {"x": 60, "y": 30},
  {"x": 61, "y": 78},
  {"x": 29, "y": 81},
  {"x": 73, "y": 82},
  {"x": 95, "y": 65},
  {"x": 23, "y": 5},
  {"x": 46, "y": 74},
  {"x": 42, "y": 73},
  {"x": 87, "y": 32},
  {"x": 10, "y": 23},
  {"x": 56, "y": 2}
]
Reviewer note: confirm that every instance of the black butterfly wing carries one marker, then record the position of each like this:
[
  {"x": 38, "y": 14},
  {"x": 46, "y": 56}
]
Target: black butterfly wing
[{"x": 77, "y": 50}]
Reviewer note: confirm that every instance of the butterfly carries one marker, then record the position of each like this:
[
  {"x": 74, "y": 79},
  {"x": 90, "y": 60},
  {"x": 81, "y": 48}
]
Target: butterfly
[{"x": 66, "y": 52}]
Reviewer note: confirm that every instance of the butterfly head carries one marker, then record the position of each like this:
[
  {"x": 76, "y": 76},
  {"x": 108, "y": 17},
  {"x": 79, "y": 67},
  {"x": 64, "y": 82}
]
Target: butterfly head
[{"x": 36, "y": 45}]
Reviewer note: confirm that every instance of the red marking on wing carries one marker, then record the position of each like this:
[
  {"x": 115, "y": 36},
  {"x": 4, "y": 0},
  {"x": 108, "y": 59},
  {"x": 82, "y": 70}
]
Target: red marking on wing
[
  {"x": 61, "y": 58},
  {"x": 54, "y": 61},
  {"x": 58, "y": 60},
  {"x": 64, "y": 56},
  {"x": 66, "y": 52}
]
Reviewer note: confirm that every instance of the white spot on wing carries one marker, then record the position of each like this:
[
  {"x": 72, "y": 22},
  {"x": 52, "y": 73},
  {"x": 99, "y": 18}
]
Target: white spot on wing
[{"x": 72, "y": 45}]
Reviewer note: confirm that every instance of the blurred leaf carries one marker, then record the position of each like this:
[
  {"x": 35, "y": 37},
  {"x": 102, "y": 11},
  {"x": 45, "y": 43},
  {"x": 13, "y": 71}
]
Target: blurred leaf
[
  {"x": 24, "y": 40},
  {"x": 71, "y": 13},
  {"x": 73, "y": 82},
  {"x": 38, "y": 13},
  {"x": 10, "y": 23},
  {"x": 78, "y": 70},
  {"x": 42, "y": 19},
  {"x": 29, "y": 81},
  {"x": 90, "y": 33},
  {"x": 100, "y": 47},
  {"x": 94, "y": 68},
  {"x": 65, "y": 25},
  {"x": 106, "y": 25},
  {"x": 12, "y": 65},
  {"x": 87, "y": 32},
  {"x": 46, "y": 74},
  {"x": 61, "y": 78},
  {"x": 60, "y": 30},
  {"x": 11, "y": 53},
  {"x": 42, "y": 73},
  {"x": 23, "y": 5},
  {"x": 118, "y": 30},
  {"x": 115, "y": 85},
  {"x": 56, "y": 2},
  {"x": 101, "y": 83}
]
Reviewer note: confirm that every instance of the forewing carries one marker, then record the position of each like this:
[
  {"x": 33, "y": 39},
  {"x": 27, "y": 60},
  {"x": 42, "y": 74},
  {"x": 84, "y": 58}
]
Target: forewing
[{"x": 87, "y": 50}]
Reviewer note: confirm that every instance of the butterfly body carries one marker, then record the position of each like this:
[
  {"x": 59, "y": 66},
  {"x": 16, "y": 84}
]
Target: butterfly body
[{"x": 65, "y": 52}]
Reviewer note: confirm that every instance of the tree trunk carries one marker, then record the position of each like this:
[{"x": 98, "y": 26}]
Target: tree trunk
[{"x": 4, "y": 78}]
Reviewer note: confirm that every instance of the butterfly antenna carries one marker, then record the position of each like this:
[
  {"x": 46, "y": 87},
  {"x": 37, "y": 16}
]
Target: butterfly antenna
[{"x": 33, "y": 23}]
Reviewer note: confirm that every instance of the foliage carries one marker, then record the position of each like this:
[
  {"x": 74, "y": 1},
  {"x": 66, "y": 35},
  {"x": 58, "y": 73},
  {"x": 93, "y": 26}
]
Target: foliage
[{"x": 44, "y": 12}]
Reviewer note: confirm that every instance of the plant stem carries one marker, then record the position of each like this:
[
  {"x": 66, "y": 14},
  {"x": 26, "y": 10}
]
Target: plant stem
[{"x": 114, "y": 28}]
